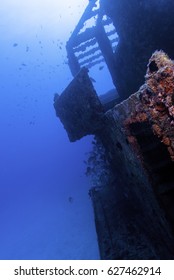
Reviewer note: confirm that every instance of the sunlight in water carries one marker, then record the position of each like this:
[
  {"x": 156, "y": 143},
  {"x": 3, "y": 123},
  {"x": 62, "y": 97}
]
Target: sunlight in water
[{"x": 23, "y": 16}]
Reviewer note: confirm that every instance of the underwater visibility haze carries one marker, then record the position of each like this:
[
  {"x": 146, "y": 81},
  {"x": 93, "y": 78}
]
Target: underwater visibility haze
[
  {"x": 108, "y": 196},
  {"x": 46, "y": 212}
]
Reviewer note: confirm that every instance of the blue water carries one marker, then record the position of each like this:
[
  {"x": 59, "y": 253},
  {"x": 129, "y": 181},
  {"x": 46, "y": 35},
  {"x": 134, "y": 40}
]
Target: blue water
[{"x": 45, "y": 210}]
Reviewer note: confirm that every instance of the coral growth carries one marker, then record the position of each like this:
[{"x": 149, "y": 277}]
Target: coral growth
[{"x": 157, "y": 99}]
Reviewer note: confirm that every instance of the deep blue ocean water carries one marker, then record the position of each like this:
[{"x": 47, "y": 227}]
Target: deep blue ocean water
[{"x": 45, "y": 210}]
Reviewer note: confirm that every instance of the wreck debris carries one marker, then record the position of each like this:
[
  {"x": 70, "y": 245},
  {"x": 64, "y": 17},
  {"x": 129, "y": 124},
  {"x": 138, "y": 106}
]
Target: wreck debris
[{"x": 79, "y": 107}]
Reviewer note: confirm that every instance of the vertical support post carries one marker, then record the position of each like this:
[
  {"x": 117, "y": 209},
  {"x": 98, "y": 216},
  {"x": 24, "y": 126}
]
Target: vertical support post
[
  {"x": 72, "y": 60},
  {"x": 106, "y": 49}
]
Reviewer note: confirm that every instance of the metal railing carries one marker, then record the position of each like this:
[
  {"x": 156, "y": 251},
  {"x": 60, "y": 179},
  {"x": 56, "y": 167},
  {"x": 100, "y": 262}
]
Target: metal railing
[{"x": 92, "y": 42}]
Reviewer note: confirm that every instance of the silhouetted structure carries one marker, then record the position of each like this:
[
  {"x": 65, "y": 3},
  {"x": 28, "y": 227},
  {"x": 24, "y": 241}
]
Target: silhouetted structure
[
  {"x": 138, "y": 137},
  {"x": 90, "y": 42},
  {"x": 134, "y": 212}
]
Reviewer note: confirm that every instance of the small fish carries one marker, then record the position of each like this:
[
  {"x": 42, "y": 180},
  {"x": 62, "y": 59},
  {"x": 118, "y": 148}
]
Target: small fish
[
  {"x": 88, "y": 171},
  {"x": 56, "y": 96},
  {"x": 70, "y": 199},
  {"x": 92, "y": 80},
  {"x": 101, "y": 67},
  {"x": 15, "y": 45}
]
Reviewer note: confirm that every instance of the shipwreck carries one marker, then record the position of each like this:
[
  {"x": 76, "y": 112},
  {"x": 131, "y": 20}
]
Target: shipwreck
[{"x": 134, "y": 130}]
